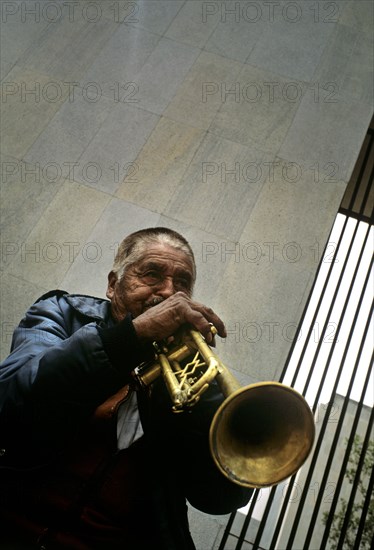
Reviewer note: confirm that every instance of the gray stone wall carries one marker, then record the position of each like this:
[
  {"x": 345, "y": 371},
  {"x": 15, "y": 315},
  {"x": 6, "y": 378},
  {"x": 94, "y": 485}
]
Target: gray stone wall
[{"x": 237, "y": 128}]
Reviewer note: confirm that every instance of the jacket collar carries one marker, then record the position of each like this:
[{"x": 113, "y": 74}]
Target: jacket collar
[{"x": 90, "y": 306}]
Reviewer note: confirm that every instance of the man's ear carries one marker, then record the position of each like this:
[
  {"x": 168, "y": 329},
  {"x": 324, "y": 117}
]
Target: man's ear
[{"x": 112, "y": 280}]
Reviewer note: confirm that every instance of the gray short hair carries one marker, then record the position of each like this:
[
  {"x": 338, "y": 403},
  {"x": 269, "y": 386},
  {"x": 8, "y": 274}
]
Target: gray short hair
[{"x": 135, "y": 245}]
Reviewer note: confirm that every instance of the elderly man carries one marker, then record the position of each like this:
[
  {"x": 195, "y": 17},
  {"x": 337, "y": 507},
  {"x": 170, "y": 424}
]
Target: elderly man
[{"x": 87, "y": 461}]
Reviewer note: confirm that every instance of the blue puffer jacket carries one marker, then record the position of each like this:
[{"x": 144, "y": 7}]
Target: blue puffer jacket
[
  {"x": 58, "y": 371},
  {"x": 68, "y": 356}
]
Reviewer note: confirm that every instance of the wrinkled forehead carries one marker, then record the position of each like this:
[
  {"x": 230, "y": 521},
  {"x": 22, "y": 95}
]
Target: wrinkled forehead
[
  {"x": 165, "y": 253},
  {"x": 162, "y": 255}
]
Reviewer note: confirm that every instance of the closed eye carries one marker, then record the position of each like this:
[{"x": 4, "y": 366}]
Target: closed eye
[
  {"x": 183, "y": 283},
  {"x": 152, "y": 277}
]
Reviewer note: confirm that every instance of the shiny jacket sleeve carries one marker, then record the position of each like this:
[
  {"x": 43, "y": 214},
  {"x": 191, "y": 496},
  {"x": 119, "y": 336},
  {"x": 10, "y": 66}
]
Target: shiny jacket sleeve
[{"x": 58, "y": 372}]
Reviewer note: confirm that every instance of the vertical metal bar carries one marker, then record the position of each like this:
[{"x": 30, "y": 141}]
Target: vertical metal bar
[
  {"x": 333, "y": 449},
  {"x": 332, "y": 304},
  {"x": 227, "y": 531},
  {"x": 350, "y": 442},
  {"x": 282, "y": 514},
  {"x": 319, "y": 441},
  {"x": 365, "y": 509},
  {"x": 300, "y": 361},
  {"x": 247, "y": 520},
  {"x": 322, "y": 432},
  {"x": 367, "y": 192},
  {"x": 347, "y": 400},
  {"x": 337, "y": 380},
  {"x": 310, "y": 330},
  {"x": 355, "y": 482},
  {"x": 360, "y": 176},
  {"x": 295, "y": 339},
  {"x": 323, "y": 483},
  {"x": 264, "y": 518},
  {"x": 312, "y": 367}
]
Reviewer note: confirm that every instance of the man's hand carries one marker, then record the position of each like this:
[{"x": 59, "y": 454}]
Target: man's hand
[{"x": 165, "y": 318}]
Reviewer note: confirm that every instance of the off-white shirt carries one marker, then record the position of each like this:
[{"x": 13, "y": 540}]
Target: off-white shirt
[{"x": 129, "y": 426}]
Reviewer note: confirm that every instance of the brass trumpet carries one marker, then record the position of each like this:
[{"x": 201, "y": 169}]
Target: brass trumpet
[{"x": 260, "y": 435}]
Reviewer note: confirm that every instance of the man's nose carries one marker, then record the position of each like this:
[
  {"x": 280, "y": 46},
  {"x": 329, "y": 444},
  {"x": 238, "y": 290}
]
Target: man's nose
[{"x": 167, "y": 288}]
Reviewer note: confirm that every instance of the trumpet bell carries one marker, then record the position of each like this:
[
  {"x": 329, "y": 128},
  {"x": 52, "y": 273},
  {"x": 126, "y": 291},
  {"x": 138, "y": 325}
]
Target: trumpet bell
[{"x": 261, "y": 434}]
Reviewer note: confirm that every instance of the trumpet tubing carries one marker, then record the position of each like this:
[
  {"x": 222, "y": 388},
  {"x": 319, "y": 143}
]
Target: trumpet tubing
[{"x": 259, "y": 436}]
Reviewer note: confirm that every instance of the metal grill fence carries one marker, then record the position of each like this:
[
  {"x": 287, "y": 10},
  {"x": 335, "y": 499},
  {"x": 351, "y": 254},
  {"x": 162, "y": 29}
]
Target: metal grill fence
[{"x": 329, "y": 503}]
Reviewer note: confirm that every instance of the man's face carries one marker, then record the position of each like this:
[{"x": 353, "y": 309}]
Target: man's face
[{"x": 161, "y": 272}]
